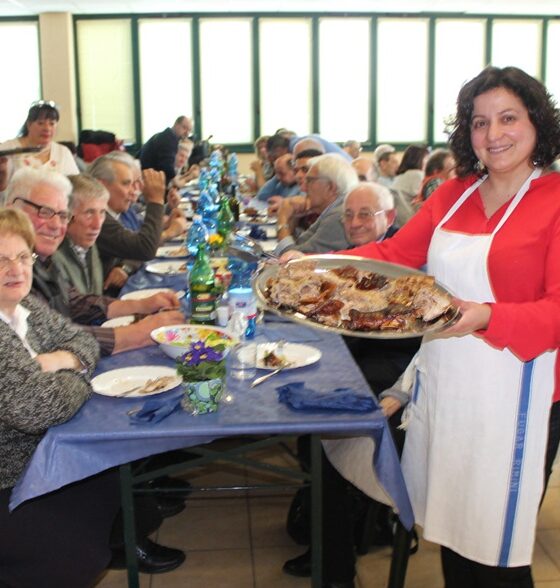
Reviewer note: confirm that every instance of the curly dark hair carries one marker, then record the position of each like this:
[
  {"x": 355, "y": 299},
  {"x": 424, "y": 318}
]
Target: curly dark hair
[{"x": 542, "y": 110}]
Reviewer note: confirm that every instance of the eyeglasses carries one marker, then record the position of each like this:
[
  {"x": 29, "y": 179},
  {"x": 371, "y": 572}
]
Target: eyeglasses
[
  {"x": 25, "y": 258},
  {"x": 46, "y": 212},
  {"x": 310, "y": 179},
  {"x": 363, "y": 215},
  {"x": 40, "y": 103}
]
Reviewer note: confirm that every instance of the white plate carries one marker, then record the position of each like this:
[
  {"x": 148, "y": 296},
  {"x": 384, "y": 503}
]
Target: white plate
[
  {"x": 167, "y": 268},
  {"x": 120, "y": 321},
  {"x": 172, "y": 252},
  {"x": 115, "y": 382},
  {"x": 260, "y": 219},
  {"x": 296, "y": 354},
  {"x": 139, "y": 294}
]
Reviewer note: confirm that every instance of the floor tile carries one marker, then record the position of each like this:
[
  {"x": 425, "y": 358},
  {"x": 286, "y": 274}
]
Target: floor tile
[
  {"x": 544, "y": 565},
  {"x": 268, "y": 568},
  {"x": 211, "y": 569},
  {"x": 267, "y": 516},
  {"x": 549, "y": 516},
  {"x": 549, "y": 541},
  {"x": 118, "y": 579},
  {"x": 204, "y": 528}
]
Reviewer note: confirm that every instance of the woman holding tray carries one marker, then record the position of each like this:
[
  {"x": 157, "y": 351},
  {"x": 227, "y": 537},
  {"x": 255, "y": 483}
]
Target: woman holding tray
[{"x": 482, "y": 433}]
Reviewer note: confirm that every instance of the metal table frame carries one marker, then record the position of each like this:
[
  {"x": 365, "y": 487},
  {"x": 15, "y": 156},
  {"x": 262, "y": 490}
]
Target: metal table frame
[{"x": 128, "y": 479}]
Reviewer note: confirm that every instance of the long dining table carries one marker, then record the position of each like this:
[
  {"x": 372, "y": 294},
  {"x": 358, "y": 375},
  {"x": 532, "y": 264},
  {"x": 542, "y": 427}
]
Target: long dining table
[{"x": 101, "y": 436}]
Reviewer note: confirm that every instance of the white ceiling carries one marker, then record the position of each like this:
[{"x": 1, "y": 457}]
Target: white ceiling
[{"x": 31, "y": 7}]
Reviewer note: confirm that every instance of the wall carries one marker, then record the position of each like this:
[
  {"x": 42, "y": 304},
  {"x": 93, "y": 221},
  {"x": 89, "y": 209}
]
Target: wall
[{"x": 58, "y": 69}]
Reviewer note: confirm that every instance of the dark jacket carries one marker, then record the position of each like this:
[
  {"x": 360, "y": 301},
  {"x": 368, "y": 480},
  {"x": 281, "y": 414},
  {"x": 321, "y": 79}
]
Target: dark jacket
[{"x": 159, "y": 153}]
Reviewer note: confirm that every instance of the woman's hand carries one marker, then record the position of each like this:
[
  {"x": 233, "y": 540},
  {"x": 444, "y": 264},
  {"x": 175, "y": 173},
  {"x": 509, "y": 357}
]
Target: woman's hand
[
  {"x": 58, "y": 360},
  {"x": 474, "y": 317}
]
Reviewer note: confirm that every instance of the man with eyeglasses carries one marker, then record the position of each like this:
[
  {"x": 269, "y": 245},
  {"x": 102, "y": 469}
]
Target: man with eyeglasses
[
  {"x": 368, "y": 215},
  {"x": 329, "y": 179},
  {"x": 43, "y": 196}
]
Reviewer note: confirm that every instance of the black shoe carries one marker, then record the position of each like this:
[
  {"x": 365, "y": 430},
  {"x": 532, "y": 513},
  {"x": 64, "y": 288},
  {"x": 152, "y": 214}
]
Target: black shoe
[
  {"x": 181, "y": 488},
  {"x": 298, "y": 522},
  {"x": 169, "y": 507},
  {"x": 152, "y": 558},
  {"x": 299, "y": 566}
]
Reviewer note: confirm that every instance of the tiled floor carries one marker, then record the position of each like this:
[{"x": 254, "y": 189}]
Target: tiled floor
[{"x": 238, "y": 540}]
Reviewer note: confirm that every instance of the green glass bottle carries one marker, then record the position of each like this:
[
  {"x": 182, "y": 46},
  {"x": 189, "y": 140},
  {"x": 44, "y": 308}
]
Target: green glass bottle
[
  {"x": 201, "y": 284},
  {"x": 226, "y": 221}
]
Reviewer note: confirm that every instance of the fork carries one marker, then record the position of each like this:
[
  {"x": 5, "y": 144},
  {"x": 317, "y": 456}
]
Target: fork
[{"x": 270, "y": 374}]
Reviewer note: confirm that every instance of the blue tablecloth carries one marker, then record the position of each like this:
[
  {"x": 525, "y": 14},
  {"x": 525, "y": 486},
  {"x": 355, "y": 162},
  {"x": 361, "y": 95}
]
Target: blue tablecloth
[{"x": 100, "y": 435}]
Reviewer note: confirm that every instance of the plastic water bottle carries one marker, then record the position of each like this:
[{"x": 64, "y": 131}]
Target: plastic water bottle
[
  {"x": 242, "y": 359},
  {"x": 197, "y": 234},
  {"x": 241, "y": 295}
]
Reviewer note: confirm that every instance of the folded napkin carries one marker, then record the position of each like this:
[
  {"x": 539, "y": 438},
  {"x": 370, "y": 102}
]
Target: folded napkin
[
  {"x": 156, "y": 409},
  {"x": 296, "y": 395},
  {"x": 258, "y": 233}
]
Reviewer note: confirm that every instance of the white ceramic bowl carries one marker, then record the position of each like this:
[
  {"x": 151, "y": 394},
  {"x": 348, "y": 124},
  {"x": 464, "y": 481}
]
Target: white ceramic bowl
[{"x": 175, "y": 340}]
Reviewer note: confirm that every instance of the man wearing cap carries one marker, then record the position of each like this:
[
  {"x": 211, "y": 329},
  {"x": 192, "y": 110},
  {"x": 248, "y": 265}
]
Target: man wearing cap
[{"x": 387, "y": 162}]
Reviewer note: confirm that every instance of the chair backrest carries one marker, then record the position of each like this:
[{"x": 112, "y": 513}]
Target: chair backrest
[{"x": 95, "y": 143}]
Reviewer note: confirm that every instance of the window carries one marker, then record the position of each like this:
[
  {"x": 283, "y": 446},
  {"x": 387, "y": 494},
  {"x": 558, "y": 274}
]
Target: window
[
  {"x": 517, "y": 42},
  {"x": 454, "y": 66},
  {"x": 165, "y": 72},
  {"x": 285, "y": 75},
  {"x": 226, "y": 79},
  {"x": 105, "y": 77},
  {"x": 19, "y": 44},
  {"x": 553, "y": 49},
  {"x": 344, "y": 75},
  {"x": 402, "y": 80}
]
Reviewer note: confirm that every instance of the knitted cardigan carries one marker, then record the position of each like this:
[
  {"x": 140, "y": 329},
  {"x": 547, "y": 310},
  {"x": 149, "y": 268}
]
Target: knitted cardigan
[{"x": 32, "y": 400}]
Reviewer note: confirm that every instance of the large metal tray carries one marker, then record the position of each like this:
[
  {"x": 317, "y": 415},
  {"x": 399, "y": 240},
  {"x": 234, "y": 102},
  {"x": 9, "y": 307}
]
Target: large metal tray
[{"x": 332, "y": 261}]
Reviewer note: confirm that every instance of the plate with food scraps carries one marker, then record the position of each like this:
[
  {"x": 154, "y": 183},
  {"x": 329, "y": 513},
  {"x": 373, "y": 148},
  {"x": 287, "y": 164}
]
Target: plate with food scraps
[
  {"x": 271, "y": 356},
  {"x": 121, "y": 321},
  {"x": 137, "y": 381},
  {"x": 167, "y": 268},
  {"x": 147, "y": 292},
  {"x": 356, "y": 296},
  {"x": 257, "y": 217},
  {"x": 176, "y": 251}
]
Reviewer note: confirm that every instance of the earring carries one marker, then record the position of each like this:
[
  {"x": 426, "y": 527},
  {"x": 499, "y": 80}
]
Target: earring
[{"x": 479, "y": 167}]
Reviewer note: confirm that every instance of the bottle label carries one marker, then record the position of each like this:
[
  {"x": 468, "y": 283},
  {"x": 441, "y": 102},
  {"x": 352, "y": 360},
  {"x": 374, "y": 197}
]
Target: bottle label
[{"x": 203, "y": 307}]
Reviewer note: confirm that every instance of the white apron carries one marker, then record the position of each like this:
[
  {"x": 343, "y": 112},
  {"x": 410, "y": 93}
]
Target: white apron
[{"x": 475, "y": 447}]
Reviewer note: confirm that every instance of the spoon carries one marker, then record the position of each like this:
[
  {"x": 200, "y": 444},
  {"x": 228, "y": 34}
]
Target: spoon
[{"x": 270, "y": 374}]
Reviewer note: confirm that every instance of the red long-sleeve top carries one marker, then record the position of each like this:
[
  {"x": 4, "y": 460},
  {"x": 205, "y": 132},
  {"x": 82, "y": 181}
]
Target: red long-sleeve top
[{"x": 523, "y": 261}]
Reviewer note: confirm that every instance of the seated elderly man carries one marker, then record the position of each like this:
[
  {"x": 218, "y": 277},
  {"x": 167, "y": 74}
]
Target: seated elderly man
[
  {"x": 43, "y": 196},
  {"x": 327, "y": 182},
  {"x": 282, "y": 184},
  {"x": 115, "y": 243},
  {"x": 365, "y": 169},
  {"x": 78, "y": 257},
  {"x": 369, "y": 213}
]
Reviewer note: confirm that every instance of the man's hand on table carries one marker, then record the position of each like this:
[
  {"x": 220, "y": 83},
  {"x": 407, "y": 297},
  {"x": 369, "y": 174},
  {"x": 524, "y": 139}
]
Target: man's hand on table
[
  {"x": 154, "y": 186},
  {"x": 177, "y": 225},
  {"x": 116, "y": 277},
  {"x": 289, "y": 255},
  {"x": 173, "y": 198},
  {"x": 154, "y": 303},
  {"x": 138, "y": 334},
  {"x": 274, "y": 204},
  {"x": 289, "y": 211}
]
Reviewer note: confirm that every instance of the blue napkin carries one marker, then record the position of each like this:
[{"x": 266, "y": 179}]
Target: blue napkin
[
  {"x": 258, "y": 233},
  {"x": 297, "y": 396},
  {"x": 156, "y": 409}
]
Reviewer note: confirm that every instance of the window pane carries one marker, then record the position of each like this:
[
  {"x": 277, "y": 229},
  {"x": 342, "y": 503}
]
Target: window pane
[
  {"x": 454, "y": 66},
  {"x": 19, "y": 46},
  {"x": 517, "y": 42},
  {"x": 165, "y": 72},
  {"x": 402, "y": 80},
  {"x": 226, "y": 79},
  {"x": 105, "y": 66},
  {"x": 344, "y": 53},
  {"x": 552, "y": 69},
  {"x": 286, "y": 65}
]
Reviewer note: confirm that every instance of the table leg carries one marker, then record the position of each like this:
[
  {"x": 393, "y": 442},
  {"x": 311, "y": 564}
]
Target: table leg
[
  {"x": 127, "y": 504},
  {"x": 399, "y": 559},
  {"x": 316, "y": 512}
]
